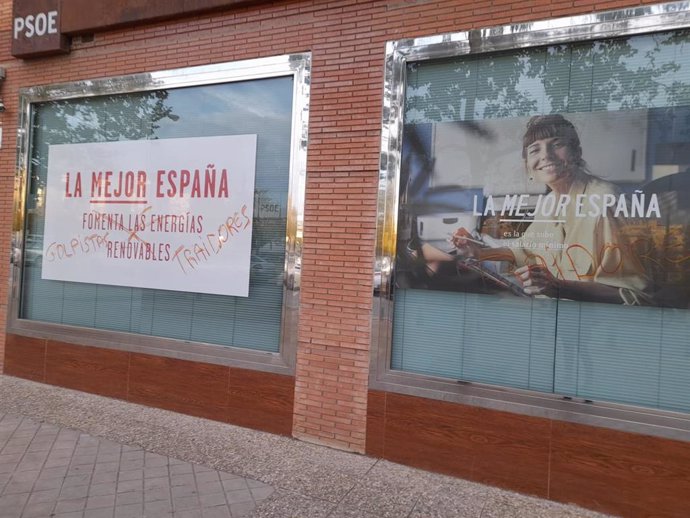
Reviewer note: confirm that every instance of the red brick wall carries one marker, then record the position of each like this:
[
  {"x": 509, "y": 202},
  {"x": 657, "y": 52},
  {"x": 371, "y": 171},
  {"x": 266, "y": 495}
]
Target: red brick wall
[
  {"x": 7, "y": 168},
  {"x": 347, "y": 40}
]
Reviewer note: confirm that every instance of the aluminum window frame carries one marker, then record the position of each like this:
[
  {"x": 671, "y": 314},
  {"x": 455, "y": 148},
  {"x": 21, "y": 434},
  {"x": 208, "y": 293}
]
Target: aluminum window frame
[
  {"x": 283, "y": 362},
  {"x": 596, "y": 26}
]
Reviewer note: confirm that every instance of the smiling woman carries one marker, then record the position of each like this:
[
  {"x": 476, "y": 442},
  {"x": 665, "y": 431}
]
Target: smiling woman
[
  {"x": 576, "y": 250},
  {"x": 531, "y": 252}
]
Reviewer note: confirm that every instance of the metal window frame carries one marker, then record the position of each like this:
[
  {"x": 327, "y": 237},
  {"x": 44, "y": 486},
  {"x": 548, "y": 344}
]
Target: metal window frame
[
  {"x": 622, "y": 22},
  {"x": 296, "y": 65}
]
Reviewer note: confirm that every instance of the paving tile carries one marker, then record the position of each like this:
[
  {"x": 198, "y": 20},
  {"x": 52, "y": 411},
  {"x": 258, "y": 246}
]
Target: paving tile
[
  {"x": 219, "y": 512},
  {"x": 133, "y": 497},
  {"x": 210, "y": 488},
  {"x": 153, "y": 495},
  {"x": 50, "y": 495},
  {"x": 12, "y": 505},
  {"x": 4, "y": 479},
  {"x": 131, "y": 464},
  {"x": 80, "y": 469},
  {"x": 135, "y": 474},
  {"x": 76, "y": 514},
  {"x": 235, "y": 484},
  {"x": 129, "y": 485},
  {"x": 72, "y": 492},
  {"x": 212, "y": 500},
  {"x": 57, "y": 463},
  {"x": 76, "y": 480},
  {"x": 153, "y": 460},
  {"x": 207, "y": 477},
  {"x": 17, "y": 487},
  {"x": 183, "y": 491},
  {"x": 62, "y": 448},
  {"x": 13, "y": 450},
  {"x": 10, "y": 458},
  {"x": 106, "y": 467},
  {"x": 239, "y": 496},
  {"x": 100, "y": 489},
  {"x": 103, "y": 478},
  {"x": 48, "y": 483},
  {"x": 100, "y": 501},
  {"x": 38, "y": 510},
  {"x": 31, "y": 461},
  {"x": 182, "y": 480},
  {"x": 52, "y": 472},
  {"x": 39, "y": 446},
  {"x": 129, "y": 511},
  {"x": 228, "y": 476},
  {"x": 164, "y": 514},
  {"x": 108, "y": 456},
  {"x": 181, "y": 469},
  {"x": 106, "y": 512},
  {"x": 156, "y": 483},
  {"x": 158, "y": 506},
  {"x": 155, "y": 472},
  {"x": 186, "y": 503},
  {"x": 83, "y": 459},
  {"x": 72, "y": 505}
]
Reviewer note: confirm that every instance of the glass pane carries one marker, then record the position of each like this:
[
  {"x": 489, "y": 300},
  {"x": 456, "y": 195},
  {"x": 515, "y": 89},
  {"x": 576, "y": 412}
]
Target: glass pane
[
  {"x": 616, "y": 329},
  {"x": 261, "y": 107},
  {"x": 471, "y": 337}
]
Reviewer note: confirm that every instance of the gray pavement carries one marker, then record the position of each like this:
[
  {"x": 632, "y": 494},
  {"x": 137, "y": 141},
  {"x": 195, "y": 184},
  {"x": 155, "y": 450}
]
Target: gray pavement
[{"x": 67, "y": 454}]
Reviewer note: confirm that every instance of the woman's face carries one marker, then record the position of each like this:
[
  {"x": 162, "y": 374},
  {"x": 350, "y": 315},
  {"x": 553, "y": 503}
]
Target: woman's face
[{"x": 550, "y": 160}]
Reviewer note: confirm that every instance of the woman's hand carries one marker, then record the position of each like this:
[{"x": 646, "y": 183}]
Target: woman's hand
[
  {"x": 465, "y": 243},
  {"x": 538, "y": 280}
]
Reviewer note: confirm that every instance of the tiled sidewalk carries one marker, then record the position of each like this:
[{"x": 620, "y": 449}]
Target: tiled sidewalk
[
  {"x": 48, "y": 471},
  {"x": 104, "y": 457}
]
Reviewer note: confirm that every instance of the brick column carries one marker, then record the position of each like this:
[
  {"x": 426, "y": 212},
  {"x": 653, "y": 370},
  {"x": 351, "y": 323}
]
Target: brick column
[
  {"x": 335, "y": 316},
  {"x": 340, "y": 226}
]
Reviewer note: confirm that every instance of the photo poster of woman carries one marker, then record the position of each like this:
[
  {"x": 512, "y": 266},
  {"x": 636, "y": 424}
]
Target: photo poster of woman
[{"x": 579, "y": 206}]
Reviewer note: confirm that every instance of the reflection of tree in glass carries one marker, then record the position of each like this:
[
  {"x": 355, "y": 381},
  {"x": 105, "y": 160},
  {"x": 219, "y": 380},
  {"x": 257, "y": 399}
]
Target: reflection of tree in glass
[
  {"x": 617, "y": 74},
  {"x": 95, "y": 119},
  {"x": 104, "y": 118}
]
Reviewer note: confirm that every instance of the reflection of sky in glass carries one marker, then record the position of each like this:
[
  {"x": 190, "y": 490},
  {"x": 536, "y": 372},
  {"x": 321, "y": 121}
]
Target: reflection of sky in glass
[
  {"x": 248, "y": 107},
  {"x": 639, "y": 72},
  {"x": 228, "y": 108},
  {"x": 261, "y": 107}
]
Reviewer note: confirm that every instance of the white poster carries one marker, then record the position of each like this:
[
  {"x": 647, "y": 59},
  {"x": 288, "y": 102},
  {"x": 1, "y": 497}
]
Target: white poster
[{"x": 173, "y": 214}]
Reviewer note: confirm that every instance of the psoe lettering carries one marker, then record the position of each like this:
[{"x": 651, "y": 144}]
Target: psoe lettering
[{"x": 36, "y": 24}]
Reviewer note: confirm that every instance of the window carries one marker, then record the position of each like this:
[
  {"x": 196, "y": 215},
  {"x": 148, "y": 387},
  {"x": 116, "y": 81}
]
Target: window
[
  {"x": 540, "y": 232},
  {"x": 152, "y": 285}
]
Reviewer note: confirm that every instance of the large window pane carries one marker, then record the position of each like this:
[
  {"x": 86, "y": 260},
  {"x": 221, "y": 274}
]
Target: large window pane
[
  {"x": 262, "y": 107},
  {"x": 465, "y": 117}
]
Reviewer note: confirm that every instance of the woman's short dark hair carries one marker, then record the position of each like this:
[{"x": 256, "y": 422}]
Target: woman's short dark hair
[{"x": 550, "y": 126}]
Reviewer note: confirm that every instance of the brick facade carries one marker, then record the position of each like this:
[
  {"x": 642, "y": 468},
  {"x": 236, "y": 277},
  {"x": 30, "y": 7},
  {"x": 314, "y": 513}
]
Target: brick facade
[{"x": 347, "y": 40}]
